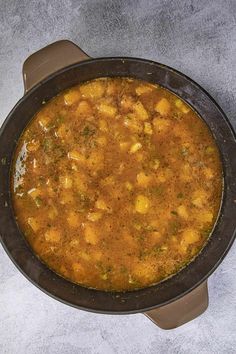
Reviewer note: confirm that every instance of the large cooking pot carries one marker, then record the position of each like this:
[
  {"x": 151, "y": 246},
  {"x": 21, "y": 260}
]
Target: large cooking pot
[{"x": 175, "y": 300}]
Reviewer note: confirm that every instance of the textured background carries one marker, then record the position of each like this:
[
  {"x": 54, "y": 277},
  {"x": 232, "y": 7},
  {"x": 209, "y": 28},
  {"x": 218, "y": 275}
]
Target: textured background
[{"x": 195, "y": 37}]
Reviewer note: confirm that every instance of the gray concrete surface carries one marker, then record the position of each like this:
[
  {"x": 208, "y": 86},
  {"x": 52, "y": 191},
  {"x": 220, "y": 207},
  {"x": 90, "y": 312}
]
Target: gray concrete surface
[{"x": 195, "y": 37}]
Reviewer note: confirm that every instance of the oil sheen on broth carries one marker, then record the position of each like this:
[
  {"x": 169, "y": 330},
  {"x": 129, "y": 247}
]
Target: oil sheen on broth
[{"x": 116, "y": 184}]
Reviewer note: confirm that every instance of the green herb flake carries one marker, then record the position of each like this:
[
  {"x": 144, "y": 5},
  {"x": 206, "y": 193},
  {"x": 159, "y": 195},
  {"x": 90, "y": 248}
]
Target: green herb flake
[
  {"x": 60, "y": 119},
  {"x": 141, "y": 237},
  {"x": 157, "y": 191},
  {"x": 174, "y": 212},
  {"x": 206, "y": 232},
  {"x": 209, "y": 149},
  {"x": 88, "y": 131},
  {"x": 174, "y": 227},
  {"x": 150, "y": 228},
  {"x": 180, "y": 195},
  {"x": 47, "y": 145},
  {"x": 177, "y": 115},
  {"x": 42, "y": 179},
  {"x": 123, "y": 269},
  {"x": 142, "y": 255},
  {"x": 83, "y": 202},
  {"x": 128, "y": 117},
  {"x": 104, "y": 270},
  {"x": 159, "y": 249}
]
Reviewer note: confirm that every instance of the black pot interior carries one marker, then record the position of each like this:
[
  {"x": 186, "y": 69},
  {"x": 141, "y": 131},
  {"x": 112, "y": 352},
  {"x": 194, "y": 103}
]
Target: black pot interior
[{"x": 133, "y": 301}]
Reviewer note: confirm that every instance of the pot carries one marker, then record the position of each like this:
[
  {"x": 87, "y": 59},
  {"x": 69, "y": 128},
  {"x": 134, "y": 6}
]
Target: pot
[{"x": 174, "y": 301}]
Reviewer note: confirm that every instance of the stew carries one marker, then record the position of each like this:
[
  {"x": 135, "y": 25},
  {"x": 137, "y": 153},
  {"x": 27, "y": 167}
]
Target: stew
[{"x": 116, "y": 184}]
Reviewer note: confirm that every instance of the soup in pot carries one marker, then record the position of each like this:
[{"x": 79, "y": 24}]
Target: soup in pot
[{"x": 116, "y": 184}]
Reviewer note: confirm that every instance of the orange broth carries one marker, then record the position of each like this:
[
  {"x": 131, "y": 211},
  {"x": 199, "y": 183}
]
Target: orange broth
[{"x": 116, "y": 184}]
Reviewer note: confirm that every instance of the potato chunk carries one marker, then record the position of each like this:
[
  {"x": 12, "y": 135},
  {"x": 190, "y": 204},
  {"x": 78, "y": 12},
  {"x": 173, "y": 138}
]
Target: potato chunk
[
  {"x": 183, "y": 107},
  {"x": 66, "y": 197},
  {"x": 84, "y": 108},
  {"x": 73, "y": 219},
  {"x": 52, "y": 235},
  {"x": 190, "y": 236},
  {"x": 71, "y": 97},
  {"x": 65, "y": 181},
  {"x": 128, "y": 186},
  {"x": 124, "y": 145},
  {"x": 44, "y": 121},
  {"x": 140, "y": 90},
  {"x": 102, "y": 140},
  {"x": 133, "y": 123},
  {"x": 144, "y": 271},
  {"x": 34, "y": 224},
  {"x": 155, "y": 164},
  {"x": 95, "y": 216},
  {"x": 186, "y": 173},
  {"x": 139, "y": 156},
  {"x": 161, "y": 125},
  {"x": 95, "y": 160},
  {"x": 142, "y": 204},
  {"x": 143, "y": 179},
  {"x": 182, "y": 212},
  {"x": 63, "y": 132},
  {"x": 163, "y": 107},
  {"x": 107, "y": 110},
  {"x": 135, "y": 147},
  {"x": 52, "y": 213},
  {"x": 126, "y": 103},
  {"x": 84, "y": 255},
  {"x": 154, "y": 237},
  {"x": 103, "y": 126},
  {"x": 199, "y": 198},
  {"x": 94, "y": 89},
  {"x": 101, "y": 204},
  {"x": 91, "y": 234},
  {"x": 34, "y": 193},
  {"x": 79, "y": 182},
  {"x": 148, "y": 128},
  {"x": 205, "y": 216},
  {"x": 140, "y": 111}
]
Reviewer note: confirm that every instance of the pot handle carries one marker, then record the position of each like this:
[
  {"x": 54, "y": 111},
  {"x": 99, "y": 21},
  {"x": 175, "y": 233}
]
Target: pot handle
[
  {"x": 49, "y": 59},
  {"x": 182, "y": 310}
]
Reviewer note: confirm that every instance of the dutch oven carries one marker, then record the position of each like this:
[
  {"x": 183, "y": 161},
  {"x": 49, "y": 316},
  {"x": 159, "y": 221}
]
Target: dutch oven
[{"x": 174, "y": 301}]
